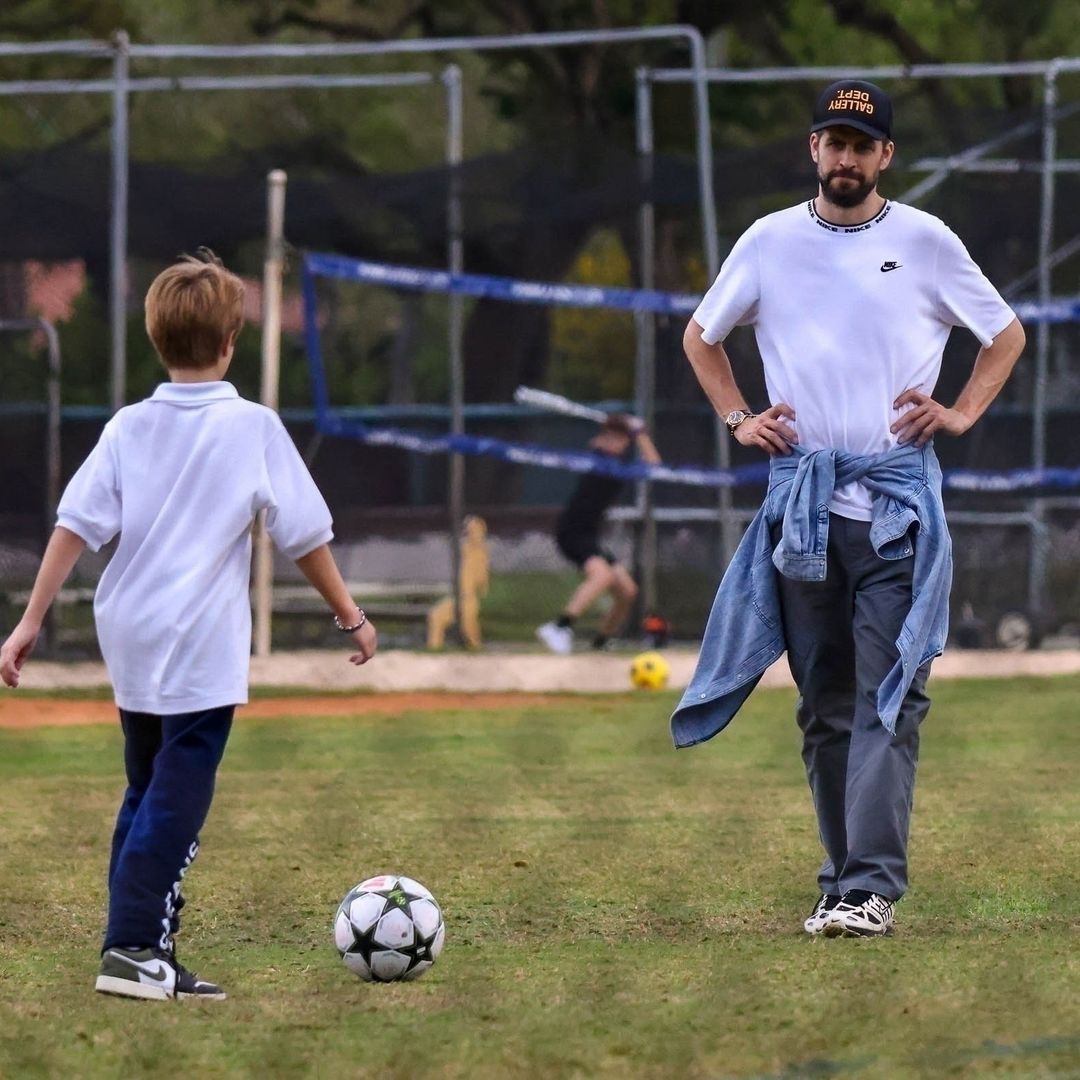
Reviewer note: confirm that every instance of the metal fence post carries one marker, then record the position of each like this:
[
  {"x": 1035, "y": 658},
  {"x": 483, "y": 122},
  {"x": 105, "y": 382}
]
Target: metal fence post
[
  {"x": 1037, "y": 565},
  {"x": 729, "y": 535},
  {"x": 645, "y": 335},
  {"x": 271, "y": 366},
  {"x": 119, "y": 221},
  {"x": 455, "y": 257}
]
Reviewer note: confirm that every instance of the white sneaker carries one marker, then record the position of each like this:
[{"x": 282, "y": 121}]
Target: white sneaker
[
  {"x": 559, "y": 639},
  {"x": 137, "y": 973},
  {"x": 861, "y": 914},
  {"x": 821, "y": 915},
  {"x": 152, "y": 974}
]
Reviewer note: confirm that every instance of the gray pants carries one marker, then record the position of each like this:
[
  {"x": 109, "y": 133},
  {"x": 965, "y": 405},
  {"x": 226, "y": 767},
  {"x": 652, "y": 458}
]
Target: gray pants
[{"x": 841, "y": 635}]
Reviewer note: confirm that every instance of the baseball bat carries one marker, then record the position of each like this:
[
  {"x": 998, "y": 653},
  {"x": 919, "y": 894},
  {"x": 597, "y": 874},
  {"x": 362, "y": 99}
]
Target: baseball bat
[{"x": 542, "y": 399}]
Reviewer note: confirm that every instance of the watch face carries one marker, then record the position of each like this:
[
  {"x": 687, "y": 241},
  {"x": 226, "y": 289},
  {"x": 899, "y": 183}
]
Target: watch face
[{"x": 734, "y": 418}]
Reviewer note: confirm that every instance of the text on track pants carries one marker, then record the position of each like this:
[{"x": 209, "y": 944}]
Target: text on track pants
[{"x": 171, "y": 763}]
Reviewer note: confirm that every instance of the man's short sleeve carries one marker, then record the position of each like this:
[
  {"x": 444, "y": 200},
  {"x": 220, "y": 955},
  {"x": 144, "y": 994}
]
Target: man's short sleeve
[
  {"x": 733, "y": 298},
  {"x": 965, "y": 296},
  {"x": 297, "y": 517},
  {"x": 90, "y": 506}
]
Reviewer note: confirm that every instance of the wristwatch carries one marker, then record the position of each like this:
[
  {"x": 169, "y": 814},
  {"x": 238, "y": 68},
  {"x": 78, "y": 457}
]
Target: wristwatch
[{"x": 735, "y": 418}]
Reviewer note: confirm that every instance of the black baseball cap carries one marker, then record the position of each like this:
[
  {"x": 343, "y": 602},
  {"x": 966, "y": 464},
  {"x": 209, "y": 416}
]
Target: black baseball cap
[{"x": 856, "y": 104}]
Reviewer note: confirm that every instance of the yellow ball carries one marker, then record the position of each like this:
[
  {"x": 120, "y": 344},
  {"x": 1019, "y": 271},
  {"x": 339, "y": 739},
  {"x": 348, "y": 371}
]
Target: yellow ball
[{"x": 649, "y": 671}]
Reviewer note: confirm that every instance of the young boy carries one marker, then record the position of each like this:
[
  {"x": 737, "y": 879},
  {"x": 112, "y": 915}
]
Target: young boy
[
  {"x": 180, "y": 477},
  {"x": 577, "y": 534}
]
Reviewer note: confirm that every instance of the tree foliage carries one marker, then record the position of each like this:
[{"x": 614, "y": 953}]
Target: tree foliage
[{"x": 561, "y": 103}]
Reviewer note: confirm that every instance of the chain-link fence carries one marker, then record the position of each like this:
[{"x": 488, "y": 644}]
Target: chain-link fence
[{"x": 993, "y": 152}]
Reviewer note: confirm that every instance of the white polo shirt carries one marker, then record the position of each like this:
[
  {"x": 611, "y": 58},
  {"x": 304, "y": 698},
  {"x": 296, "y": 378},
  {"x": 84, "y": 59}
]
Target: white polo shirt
[
  {"x": 180, "y": 476},
  {"x": 848, "y": 318}
]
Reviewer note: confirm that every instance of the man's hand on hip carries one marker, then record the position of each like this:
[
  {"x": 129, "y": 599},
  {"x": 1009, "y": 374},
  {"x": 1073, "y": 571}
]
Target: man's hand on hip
[
  {"x": 769, "y": 430},
  {"x": 919, "y": 425}
]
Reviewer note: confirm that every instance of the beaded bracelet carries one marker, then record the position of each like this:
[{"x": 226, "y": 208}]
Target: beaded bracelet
[{"x": 356, "y": 626}]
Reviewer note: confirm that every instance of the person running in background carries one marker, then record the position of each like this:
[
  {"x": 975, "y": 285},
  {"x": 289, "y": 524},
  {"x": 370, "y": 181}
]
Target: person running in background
[{"x": 577, "y": 534}]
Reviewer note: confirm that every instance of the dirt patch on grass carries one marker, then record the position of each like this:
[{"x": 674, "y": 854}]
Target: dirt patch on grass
[
  {"x": 398, "y": 680},
  {"x": 37, "y": 712}
]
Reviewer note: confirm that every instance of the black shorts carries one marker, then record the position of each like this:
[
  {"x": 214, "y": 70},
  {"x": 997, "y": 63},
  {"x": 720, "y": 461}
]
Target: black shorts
[{"x": 579, "y": 547}]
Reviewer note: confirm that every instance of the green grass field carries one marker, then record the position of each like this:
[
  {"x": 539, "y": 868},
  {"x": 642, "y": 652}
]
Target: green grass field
[{"x": 614, "y": 908}]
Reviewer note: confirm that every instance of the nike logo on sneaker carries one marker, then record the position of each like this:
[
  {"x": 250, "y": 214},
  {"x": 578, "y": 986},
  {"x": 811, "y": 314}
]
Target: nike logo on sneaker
[
  {"x": 887, "y": 266},
  {"x": 159, "y": 974}
]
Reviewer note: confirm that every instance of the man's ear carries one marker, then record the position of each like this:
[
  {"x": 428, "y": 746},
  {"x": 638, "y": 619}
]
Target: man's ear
[{"x": 887, "y": 155}]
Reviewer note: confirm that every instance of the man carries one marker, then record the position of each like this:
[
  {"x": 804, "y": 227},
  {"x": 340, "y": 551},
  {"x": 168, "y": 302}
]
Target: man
[
  {"x": 577, "y": 534},
  {"x": 852, "y": 298}
]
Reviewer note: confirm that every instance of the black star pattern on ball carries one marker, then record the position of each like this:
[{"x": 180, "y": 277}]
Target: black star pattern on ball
[{"x": 396, "y": 898}]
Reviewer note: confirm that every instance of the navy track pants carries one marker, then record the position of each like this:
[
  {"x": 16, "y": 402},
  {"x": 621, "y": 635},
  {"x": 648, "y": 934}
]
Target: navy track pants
[{"x": 171, "y": 763}]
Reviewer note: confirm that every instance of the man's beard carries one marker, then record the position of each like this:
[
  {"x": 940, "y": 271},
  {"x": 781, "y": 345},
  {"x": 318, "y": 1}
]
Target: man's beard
[{"x": 846, "y": 197}]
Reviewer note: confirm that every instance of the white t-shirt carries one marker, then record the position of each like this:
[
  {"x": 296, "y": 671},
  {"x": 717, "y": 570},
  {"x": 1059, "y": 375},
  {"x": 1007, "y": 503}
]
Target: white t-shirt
[
  {"x": 180, "y": 476},
  {"x": 848, "y": 318}
]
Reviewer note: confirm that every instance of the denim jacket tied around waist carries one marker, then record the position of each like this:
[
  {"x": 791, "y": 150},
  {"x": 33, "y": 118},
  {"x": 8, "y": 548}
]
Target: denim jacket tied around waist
[{"x": 745, "y": 633}]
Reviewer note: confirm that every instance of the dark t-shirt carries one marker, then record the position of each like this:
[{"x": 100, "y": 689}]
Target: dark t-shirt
[{"x": 584, "y": 513}]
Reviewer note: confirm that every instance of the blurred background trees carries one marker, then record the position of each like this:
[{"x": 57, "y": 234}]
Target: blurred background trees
[{"x": 549, "y": 183}]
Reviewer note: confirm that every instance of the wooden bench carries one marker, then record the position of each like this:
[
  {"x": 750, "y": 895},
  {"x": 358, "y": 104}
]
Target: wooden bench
[
  {"x": 66, "y": 596},
  {"x": 406, "y": 601},
  {"x": 430, "y": 602}
]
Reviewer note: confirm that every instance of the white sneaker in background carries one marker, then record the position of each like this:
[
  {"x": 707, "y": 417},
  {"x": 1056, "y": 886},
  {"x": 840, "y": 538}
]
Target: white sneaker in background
[{"x": 559, "y": 639}]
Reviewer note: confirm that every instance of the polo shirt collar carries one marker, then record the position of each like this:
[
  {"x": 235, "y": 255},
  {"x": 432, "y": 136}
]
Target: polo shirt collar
[{"x": 194, "y": 393}]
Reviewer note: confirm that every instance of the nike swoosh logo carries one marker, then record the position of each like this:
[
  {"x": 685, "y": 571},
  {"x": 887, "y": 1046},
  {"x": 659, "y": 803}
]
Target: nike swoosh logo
[
  {"x": 159, "y": 974},
  {"x": 887, "y": 266}
]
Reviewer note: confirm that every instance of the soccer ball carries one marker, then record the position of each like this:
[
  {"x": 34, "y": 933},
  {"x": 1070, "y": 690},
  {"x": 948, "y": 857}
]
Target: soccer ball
[
  {"x": 389, "y": 928},
  {"x": 649, "y": 671}
]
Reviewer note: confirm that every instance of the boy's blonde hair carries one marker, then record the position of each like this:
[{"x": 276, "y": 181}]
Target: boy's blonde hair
[{"x": 192, "y": 309}]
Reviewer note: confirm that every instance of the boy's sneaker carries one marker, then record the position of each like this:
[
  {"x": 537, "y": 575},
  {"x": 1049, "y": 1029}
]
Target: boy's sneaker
[
  {"x": 820, "y": 916},
  {"x": 189, "y": 985},
  {"x": 559, "y": 639},
  {"x": 861, "y": 914},
  {"x": 151, "y": 974},
  {"x": 137, "y": 973}
]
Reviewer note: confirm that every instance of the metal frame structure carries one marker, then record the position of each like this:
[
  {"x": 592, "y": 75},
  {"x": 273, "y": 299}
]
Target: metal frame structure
[
  {"x": 121, "y": 52},
  {"x": 271, "y": 348},
  {"x": 120, "y": 86},
  {"x": 973, "y": 159}
]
